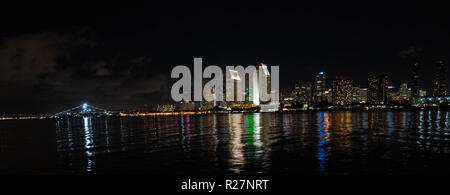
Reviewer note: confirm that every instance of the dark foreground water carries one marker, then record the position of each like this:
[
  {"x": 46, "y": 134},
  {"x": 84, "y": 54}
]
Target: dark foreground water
[{"x": 310, "y": 143}]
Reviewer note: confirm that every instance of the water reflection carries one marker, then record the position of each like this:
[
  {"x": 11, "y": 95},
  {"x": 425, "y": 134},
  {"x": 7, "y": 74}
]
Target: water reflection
[
  {"x": 208, "y": 137},
  {"x": 236, "y": 145},
  {"x": 343, "y": 142},
  {"x": 88, "y": 142},
  {"x": 323, "y": 138},
  {"x": 253, "y": 136},
  {"x": 123, "y": 134}
]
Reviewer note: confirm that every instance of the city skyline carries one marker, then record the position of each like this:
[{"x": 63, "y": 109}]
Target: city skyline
[
  {"x": 327, "y": 84},
  {"x": 121, "y": 57}
]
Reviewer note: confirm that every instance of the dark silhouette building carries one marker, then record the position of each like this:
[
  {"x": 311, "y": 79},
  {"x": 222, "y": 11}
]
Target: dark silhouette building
[
  {"x": 319, "y": 88},
  {"x": 440, "y": 87},
  {"x": 377, "y": 89}
]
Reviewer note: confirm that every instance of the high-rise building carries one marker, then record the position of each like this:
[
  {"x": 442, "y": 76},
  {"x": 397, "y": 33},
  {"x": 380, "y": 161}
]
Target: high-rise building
[
  {"x": 266, "y": 74},
  {"x": 415, "y": 87},
  {"x": 440, "y": 87},
  {"x": 383, "y": 81},
  {"x": 404, "y": 90},
  {"x": 342, "y": 91},
  {"x": 303, "y": 93},
  {"x": 328, "y": 95},
  {"x": 392, "y": 92},
  {"x": 319, "y": 88},
  {"x": 372, "y": 91},
  {"x": 363, "y": 95},
  {"x": 234, "y": 85},
  {"x": 273, "y": 104},
  {"x": 356, "y": 97},
  {"x": 377, "y": 89}
]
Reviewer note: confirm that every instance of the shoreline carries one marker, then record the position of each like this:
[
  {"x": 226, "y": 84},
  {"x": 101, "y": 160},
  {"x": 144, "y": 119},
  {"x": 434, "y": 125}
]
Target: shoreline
[{"x": 8, "y": 118}]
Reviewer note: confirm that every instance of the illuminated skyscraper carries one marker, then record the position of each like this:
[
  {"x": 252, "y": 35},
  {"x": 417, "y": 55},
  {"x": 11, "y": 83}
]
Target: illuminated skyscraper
[
  {"x": 319, "y": 88},
  {"x": 241, "y": 90},
  {"x": 233, "y": 88},
  {"x": 404, "y": 90},
  {"x": 254, "y": 90},
  {"x": 303, "y": 93},
  {"x": 377, "y": 89},
  {"x": 328, "y": 95},
  {"x": 363, "y": 95},
  {"x": 273, "y": 104},
  {"x": 342, "y": 91},
  {"x": 440, "y": 87},
  {"x": 266, "y": 74},
  {"x": 356, "y": 97}
]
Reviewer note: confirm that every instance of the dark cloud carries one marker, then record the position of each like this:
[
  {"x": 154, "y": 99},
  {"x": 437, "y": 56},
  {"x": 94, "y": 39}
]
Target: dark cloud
[
  {"x": 412, "y": 52},
  {"x": 47, "y": 71},
  {"x": 25, "y": 57}
]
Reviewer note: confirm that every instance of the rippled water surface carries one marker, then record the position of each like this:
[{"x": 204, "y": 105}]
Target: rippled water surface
[{"x": 311, "y": 143}]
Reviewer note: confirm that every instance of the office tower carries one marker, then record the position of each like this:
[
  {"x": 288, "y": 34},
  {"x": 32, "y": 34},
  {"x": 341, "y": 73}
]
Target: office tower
[
  {"x": 404, "y": 90},
  {"x": 377, "y": 89},
  {"x": 391, "y": 92},
  {"x": 356, "y": 97},
  {"x": 273, "y": 104},
  {"x": 303, "y": 93},
  {"x": 415, "y": 81},
  {"x": 328, "y": 95},
  {"x": 266, "y": 74},
  {"x": 342, "y": 91},
  {"x": 234, "y": 88},
  {"x": 238, "y": 86},
  {"x": 440, "y": 88},
  {"x": 372, "y": 91},
  {"x": 383, "y": 78},
  {"x": 319, "y": 87},
  {"x": 363, "y": 95}
]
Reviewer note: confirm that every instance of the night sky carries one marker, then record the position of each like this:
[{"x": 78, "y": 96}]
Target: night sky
[{"x": 56, "y": 56}]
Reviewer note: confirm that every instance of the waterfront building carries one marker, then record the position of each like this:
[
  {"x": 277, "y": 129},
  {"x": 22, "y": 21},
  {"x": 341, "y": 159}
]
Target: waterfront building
[
  {"x": 342, "y": 91},
  {"x": 377, "y": 89},
  {"x": 303, "y": 93},
  {"x": 319, "y": 88},
  {"x": 440, "y": 87},
  {"x": 356, "y": 97}
]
